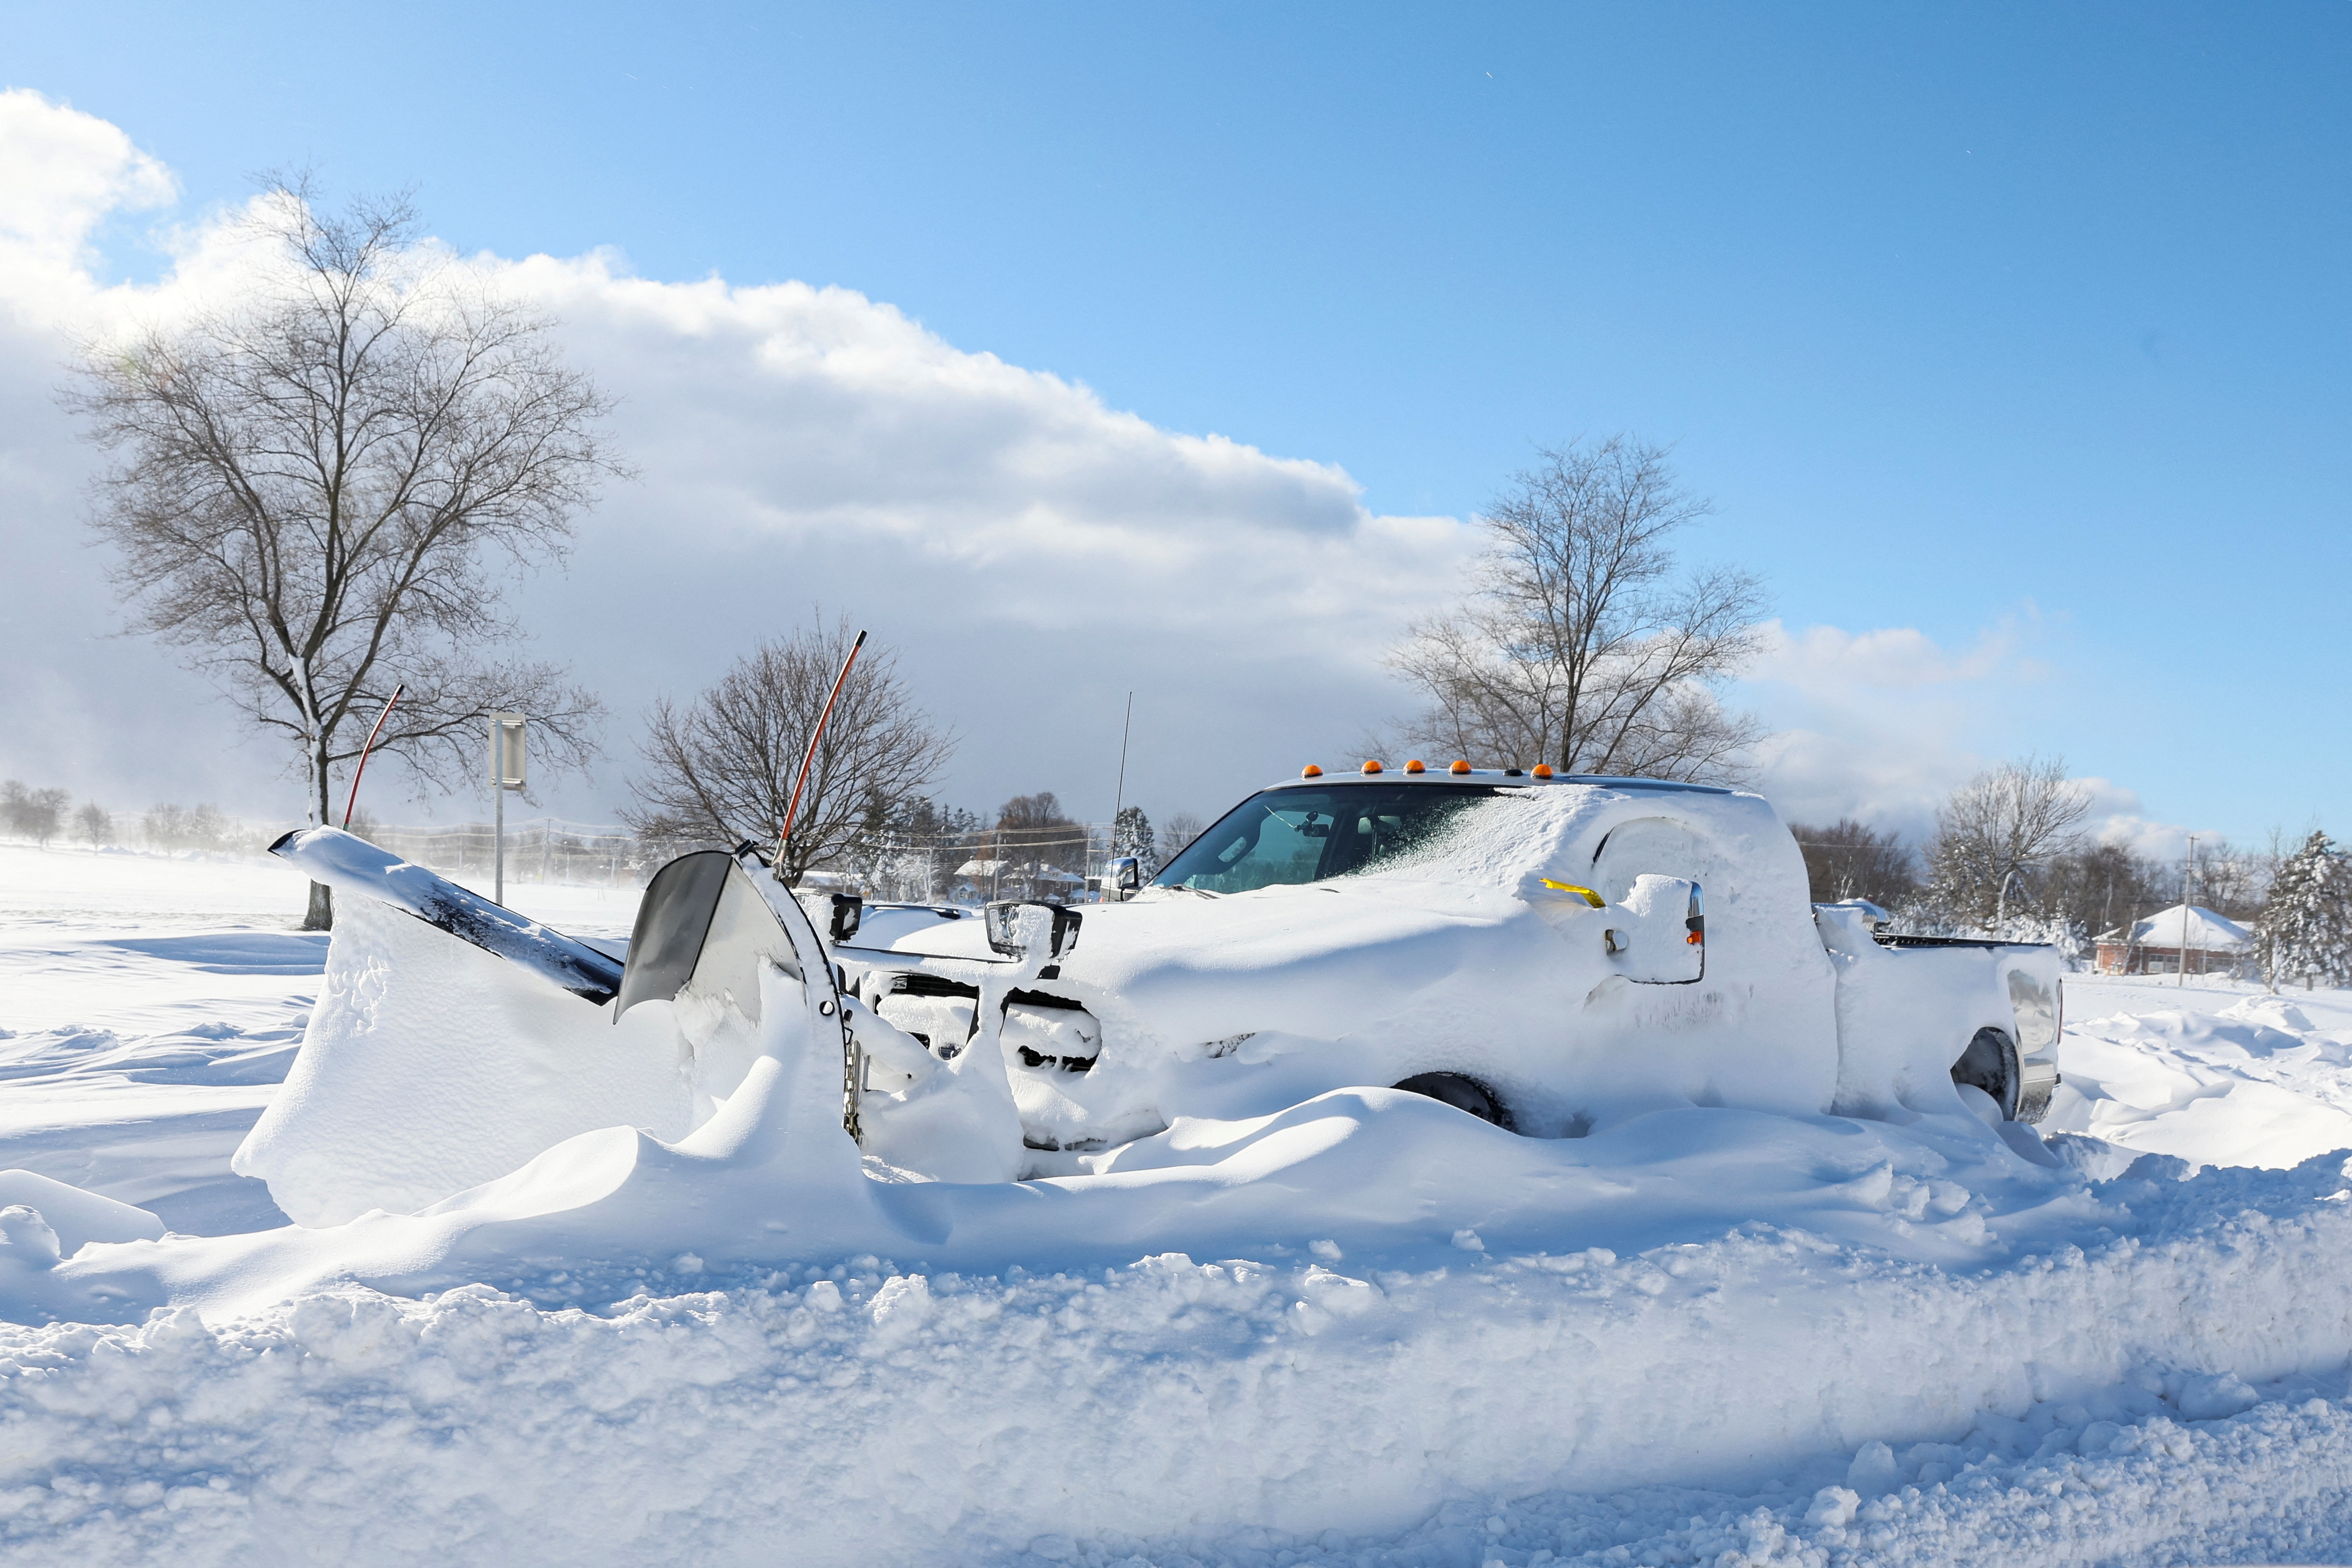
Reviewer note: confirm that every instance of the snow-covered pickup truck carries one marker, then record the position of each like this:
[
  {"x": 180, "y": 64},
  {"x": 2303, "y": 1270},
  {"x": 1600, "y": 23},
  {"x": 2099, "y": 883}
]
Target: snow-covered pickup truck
[
  {"x": 1553, "y": 955},
  {"x": 1547, "y": 953}
]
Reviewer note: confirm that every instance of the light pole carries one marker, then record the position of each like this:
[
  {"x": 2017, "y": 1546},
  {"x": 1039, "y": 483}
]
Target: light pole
[{"x": 2000, "y": 906}]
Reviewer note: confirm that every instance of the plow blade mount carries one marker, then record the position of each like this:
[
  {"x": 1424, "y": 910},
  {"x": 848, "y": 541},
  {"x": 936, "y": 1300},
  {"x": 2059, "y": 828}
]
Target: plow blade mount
[{"x": 351, "y": 864}]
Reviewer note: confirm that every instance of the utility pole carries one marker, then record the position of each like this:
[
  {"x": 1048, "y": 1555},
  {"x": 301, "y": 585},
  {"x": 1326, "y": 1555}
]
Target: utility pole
[{"x": 2188, "y": 885}]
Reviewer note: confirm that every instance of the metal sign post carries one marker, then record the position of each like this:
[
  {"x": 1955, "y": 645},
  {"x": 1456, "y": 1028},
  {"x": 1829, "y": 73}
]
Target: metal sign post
[{"x": 506, "y": 773}]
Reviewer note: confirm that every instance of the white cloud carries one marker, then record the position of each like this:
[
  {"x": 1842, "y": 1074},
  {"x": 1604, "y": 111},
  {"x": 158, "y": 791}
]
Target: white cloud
[
  {"x": 790, "y": 417},
  {"x": 1882, "y": 725},
  {"x": 1873, "y": 725},
  {"x": 1823, "y": 659},
  {"x": 64, "y": 172}
]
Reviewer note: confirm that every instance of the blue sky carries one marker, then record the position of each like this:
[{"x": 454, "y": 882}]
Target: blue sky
[{"x": 2027, "y": 322}]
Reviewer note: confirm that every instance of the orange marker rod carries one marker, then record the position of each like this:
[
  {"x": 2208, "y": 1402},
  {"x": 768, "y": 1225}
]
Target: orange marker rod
[
  {"x": 357, "y": 773},
  {"x": 793, "y": 811}
]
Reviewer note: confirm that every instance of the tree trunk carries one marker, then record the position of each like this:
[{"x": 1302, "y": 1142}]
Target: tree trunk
[{"x": 320, "y": 915}]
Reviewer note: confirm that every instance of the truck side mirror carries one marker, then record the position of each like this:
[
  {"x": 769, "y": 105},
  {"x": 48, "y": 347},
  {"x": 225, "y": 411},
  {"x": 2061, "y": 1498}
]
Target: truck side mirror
[
  {"x": 1016, "y": 929},
  {"x": 848, "y": 914},
  {"x": 1126, "y": 877},
  {"x": 1659, "y": 934}
]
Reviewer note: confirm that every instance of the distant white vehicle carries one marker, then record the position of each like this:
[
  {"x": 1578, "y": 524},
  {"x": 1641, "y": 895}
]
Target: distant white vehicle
[{"x": 1551, "y": 955}]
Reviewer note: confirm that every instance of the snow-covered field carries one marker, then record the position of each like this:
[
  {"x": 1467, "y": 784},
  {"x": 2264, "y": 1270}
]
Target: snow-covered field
[{"x": 1392, "y": 1336}]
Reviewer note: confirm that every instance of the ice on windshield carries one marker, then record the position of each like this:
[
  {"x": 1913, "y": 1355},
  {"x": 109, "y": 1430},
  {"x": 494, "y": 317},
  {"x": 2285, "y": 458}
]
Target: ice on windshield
[{"x": 1288, "y": 836}]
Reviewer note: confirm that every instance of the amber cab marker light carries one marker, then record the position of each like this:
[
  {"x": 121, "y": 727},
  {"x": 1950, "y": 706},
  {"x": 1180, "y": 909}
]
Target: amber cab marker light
[
  {"x": 1310, "y": 772},
  {"x": 1415, "y": 766},
  {"x": 1460, "y": 766},
  {"x": 1372, "y": 765},
  {"x": 1543, "y": 769}
]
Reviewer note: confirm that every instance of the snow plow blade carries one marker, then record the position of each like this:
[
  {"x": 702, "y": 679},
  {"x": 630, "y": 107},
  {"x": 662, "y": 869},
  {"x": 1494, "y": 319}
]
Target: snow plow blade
[
  {"x": 705, "y": 922},
  {"x": 351, "y": 864}
]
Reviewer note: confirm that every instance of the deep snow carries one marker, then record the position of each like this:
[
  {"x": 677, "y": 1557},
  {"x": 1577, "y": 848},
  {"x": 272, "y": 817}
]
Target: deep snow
[{"x": 1794, "y": 1314}]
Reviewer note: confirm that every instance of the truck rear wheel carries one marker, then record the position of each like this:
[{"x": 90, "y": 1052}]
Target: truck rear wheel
[
  {"x": 1989, "y": 1063},
  {"x": 1462, "y": 1093}
]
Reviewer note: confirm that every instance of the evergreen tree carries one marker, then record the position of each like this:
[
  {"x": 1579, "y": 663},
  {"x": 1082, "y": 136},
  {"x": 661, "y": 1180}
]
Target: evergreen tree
[
  {"x": 916, "y": 851},
  {"x": 1130, "y": 834},
  {"x": 2305, "y": 925}
]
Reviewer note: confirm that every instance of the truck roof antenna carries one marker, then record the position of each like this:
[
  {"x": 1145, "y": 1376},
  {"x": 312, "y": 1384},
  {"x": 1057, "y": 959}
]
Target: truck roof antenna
[
  {"x": 1118, "y": 803},
  {"x": 794, "y": 810}
]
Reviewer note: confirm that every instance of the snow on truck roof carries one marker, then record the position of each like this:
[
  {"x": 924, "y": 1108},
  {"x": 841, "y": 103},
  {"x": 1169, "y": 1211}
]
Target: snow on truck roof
[
  {"x": 1525, "y": 829},
  {"x": 1507, "y": 778}
]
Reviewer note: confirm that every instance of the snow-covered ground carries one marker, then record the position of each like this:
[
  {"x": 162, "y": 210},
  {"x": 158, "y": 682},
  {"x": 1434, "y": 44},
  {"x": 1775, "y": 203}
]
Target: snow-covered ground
[{"x": 1715, "y": 1336}]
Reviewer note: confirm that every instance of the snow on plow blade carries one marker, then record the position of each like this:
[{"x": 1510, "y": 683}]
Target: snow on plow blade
[{"x": 351, "y": 864}]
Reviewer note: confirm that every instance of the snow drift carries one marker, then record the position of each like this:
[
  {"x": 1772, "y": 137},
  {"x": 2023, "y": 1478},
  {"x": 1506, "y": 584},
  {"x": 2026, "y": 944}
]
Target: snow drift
[{"x": 863, "y": 1411}]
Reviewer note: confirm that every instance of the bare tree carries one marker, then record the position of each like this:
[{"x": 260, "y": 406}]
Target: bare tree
[
  {"x": 169, "y": 826},
  {"x": 1178, "y": 832},
  {"x": 721, "y": 768},
  {"x": 1848, "y": 859},
  {"x": 2102, "y": 885},
  {"x": 94, "y": 825},
  {"x": 316, "y": 490},
  {"x": 2009, "y": 821},
  {"x": 2228, "y": 880},
  {"x": 30, "y": 813},
  {"x": 1582, "y": 646},
  {"x": 1037, "y": 838}
]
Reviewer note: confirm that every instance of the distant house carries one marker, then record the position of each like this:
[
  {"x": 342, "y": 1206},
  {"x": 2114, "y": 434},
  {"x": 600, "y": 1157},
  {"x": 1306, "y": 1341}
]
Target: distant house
[{"x": 2184, "y": 935}]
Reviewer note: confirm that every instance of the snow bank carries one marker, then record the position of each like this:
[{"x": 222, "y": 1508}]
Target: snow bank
[
  {"x": 865, "y": 1413},
  {"x": 2256, "y": 1083},
  {"x": 488, "y": 1066}
]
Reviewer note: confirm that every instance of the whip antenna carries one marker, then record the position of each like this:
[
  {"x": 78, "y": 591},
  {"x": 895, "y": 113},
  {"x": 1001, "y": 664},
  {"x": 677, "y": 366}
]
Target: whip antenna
[
  {"x": 352, "y": 803},
  {"x": 794, "y": 810}
]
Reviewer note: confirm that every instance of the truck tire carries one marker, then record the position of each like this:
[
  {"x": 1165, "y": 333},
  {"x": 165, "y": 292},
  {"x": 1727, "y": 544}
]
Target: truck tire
[
  {"x": 1989, "y": 1063},
  {"x": 1462, "y": 1093}
]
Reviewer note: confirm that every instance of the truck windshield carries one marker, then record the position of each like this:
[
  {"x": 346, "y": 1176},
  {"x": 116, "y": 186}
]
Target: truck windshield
[{"x": 1311, "y": 835}]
